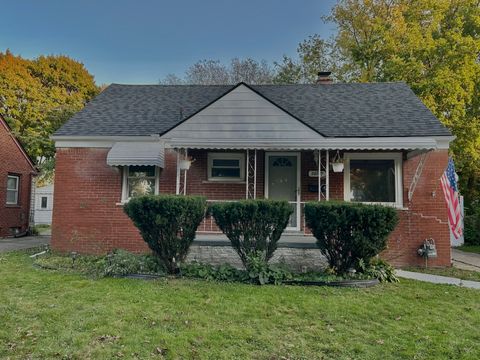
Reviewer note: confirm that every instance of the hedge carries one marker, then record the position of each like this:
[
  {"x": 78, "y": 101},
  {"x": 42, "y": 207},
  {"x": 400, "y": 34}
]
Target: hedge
[
  {"x": 347, "y": 233},
  {"x": 252, "y": 226},
  {"x": 168, "y": 224}
]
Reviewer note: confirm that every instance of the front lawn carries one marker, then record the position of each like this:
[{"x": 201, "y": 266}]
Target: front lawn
[
  {"x": 48, "y": 314},
  {"x": 469, "y": 248}
]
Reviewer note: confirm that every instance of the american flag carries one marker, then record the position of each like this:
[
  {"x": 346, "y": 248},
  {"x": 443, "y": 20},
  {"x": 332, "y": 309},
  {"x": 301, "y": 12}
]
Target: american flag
[{"x": 450, "y": 190}]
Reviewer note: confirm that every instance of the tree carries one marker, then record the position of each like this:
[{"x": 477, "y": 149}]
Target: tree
[
  {"x": 314, "y": 54},
  {"x": 432, "y": 45},
  {"x": 213, "y": 72},
  {"x": 38, "y": 96}
]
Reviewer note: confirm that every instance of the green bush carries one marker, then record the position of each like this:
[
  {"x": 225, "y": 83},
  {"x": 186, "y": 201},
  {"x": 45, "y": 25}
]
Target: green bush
[
  {"x": 253, "y": 226},
  {"x": 224, "y": 272},
  {"x": 121, "y": 262},
  {"x": 260, "y": 273},
  {"x": 378, "y": 269},
  {"x": 167, "y": 223},
  {"x": 472, "y": 224},
  {"x": 347, "y": 232}
]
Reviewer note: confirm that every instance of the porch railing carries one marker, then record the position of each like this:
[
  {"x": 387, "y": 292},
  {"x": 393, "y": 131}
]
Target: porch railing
[{"x": 208, "y": 225}]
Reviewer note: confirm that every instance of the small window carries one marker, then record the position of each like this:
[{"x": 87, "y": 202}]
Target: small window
[
  {"x": 140, "y": 180},
  {"x": 12, "y": 189},
  {"x": 44, "y": 202},
  {"x": 373, "y": 178},
  {"x": 226, "y": 166}
]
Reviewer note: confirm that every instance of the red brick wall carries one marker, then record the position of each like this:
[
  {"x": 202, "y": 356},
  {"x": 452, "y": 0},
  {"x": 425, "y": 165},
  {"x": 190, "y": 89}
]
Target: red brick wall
[
  {"x": 13, "y": 161},
  {"x": 86, "y": 216},
  {"x": 425, "y": 215}
]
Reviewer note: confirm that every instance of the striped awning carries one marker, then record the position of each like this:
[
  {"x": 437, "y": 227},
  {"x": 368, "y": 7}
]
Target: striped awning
[{"x": 136, "y": 153}]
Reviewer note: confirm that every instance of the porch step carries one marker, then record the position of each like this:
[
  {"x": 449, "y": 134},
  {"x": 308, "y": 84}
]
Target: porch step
[{"x": 288, "y": 240}]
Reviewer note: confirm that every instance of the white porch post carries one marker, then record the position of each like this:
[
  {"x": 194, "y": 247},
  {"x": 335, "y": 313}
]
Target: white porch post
[
  {"x": 185, "y": 175},
  {"x": 319, "y": 175},
  {"x": 247, "y": 163},
  {"x": 177, "y": 188},
  {"x": 327, "y": 175},
  {"x": 255, "y": 177},
  {"x": 251, "y": 175}
]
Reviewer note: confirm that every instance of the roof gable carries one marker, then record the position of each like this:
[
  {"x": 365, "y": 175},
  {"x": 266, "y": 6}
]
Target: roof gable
[{"x": 242, "y": 114}]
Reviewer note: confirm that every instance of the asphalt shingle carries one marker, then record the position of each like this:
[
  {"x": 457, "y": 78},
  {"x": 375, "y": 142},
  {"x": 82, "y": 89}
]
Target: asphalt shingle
[{"x": 334, "y": 110}]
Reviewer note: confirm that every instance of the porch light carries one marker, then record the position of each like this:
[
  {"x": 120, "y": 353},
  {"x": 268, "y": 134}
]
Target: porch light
[{"x": 337, "y": 163}]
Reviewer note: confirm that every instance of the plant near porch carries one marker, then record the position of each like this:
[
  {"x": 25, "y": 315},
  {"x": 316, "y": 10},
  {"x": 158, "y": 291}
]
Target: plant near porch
[
  {"x": 350, "y": 235},
  {"x": 168, "y": 224},
  {"x": 254, "y": 228}
]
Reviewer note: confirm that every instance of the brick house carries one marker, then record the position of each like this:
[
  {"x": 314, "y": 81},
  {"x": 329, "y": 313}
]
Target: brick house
[
  {"x": 16, "y": 173},
  {"x": 373, "y": 143}
]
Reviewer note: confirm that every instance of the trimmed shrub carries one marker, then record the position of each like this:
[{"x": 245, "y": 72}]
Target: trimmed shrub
[
  {"x": 347, "y": 233},
  {"x": 253, "y": 226},
  {"x": 167, "y": 223}
]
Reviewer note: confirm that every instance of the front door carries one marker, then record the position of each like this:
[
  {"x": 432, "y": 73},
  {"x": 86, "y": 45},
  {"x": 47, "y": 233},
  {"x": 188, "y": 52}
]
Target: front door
[{"x": 283, "y": 182}]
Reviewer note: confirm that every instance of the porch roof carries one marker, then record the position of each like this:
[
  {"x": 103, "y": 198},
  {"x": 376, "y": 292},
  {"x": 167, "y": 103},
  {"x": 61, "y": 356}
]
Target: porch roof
[{"x": 379, "y": 143}]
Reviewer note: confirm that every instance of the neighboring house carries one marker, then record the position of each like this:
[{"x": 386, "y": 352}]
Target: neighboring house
[
  {"x": 262, "y": 141},
  {"x": 16, "y": 172},
  {"x": 43, "y": 205}
]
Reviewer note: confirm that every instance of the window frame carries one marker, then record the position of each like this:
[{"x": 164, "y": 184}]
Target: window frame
[
  {"x": 125, "y": 171},
  {"x": 46, "y": 202},
  {"x": 16, "y": 190},
  {"x": 398, "y": 164},
  {"x": 226, "y": 156}
]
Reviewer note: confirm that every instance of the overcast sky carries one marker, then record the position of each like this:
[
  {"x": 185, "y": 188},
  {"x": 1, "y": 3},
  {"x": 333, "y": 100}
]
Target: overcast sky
[{"x": 141, "y": 41}]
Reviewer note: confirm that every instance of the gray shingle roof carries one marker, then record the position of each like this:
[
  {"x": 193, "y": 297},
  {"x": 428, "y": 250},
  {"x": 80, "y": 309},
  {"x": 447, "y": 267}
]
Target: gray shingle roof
[{"x": 334, "y": 110}]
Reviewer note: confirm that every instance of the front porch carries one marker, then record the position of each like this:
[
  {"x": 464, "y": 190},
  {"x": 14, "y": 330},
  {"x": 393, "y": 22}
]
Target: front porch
[{"x": 235, "y": 174}]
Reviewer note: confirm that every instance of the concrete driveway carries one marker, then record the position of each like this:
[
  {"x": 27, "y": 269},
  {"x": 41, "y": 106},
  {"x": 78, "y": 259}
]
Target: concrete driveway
[
  {"x": 465, "y": 260},
  {"x": 20, "y": 243}
]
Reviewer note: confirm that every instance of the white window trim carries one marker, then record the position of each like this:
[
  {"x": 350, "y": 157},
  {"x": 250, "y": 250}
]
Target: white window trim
[
  {"x": 125, "y": 197},
  {"x": 16, "y": 189},
  {"x": 233, "y": 155},
  {"x": 397, "y": 157},
  {"x": 47, "y": 202}
]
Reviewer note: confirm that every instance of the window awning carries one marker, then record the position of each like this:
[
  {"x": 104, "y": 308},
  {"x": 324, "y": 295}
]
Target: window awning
[{"x": 136, "y": 153}]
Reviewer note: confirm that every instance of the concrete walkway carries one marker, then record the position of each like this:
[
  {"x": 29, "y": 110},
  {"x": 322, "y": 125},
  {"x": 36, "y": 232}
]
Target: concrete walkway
[
  {"x": 465, "y": 260},
  {"x": 437, "y": 279},
  {"x": 26, "y": 242}
]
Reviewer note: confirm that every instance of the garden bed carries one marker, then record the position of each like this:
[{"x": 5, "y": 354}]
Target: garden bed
[{"x": 145, "y": 267}]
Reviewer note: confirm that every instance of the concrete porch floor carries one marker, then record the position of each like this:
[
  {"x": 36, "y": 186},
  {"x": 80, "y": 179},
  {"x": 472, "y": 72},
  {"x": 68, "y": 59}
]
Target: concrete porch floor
[{"x": 288, "y": 240}]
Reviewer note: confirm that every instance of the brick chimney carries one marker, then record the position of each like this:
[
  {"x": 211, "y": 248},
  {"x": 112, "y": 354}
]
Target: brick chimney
[{"x": 324, "y": 77}]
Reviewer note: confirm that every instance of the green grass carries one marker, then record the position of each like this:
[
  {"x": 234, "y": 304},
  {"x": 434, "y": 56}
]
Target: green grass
[
  {"x": 451, "y": 272},
  {"x": 469, "y": 248},
  {"x": 47, "y": 314}
]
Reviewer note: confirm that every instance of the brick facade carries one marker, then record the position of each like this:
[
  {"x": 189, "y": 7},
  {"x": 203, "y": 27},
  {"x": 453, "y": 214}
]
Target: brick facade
[
  {"x": 87, "y": 216},
  {"x": 13, "y": 161}
]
